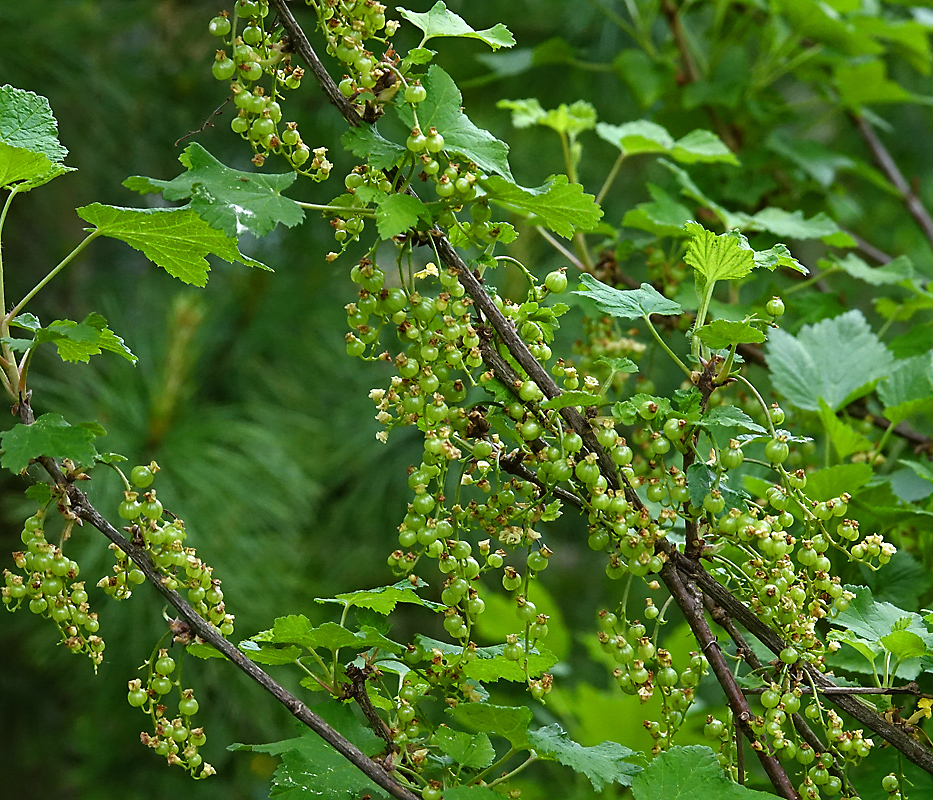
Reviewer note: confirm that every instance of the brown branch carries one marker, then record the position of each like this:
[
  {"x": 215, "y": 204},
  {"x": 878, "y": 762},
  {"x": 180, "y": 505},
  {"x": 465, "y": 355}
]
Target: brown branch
[
  {"x": 203, "y": 629},
  {"x": 893, "y": 734},
  {"x": 721, "y": 618},
  {"x": 198, "y": 626},
  {"x": 685, "y": 594},
  {"x": 889, "y": 167},
  {"x": 302, "y": 46}
]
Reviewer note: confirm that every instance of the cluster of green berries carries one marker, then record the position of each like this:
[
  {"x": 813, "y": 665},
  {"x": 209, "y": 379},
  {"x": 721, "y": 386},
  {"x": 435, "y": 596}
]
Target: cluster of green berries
[
  {"x": 822, "y": 772},
  {"x": 47, "y": 585},
  {"x": 164, "y": 541},
  {"x": 174, "y": 739},
  {"x": 249, "y": 54},
  {"x": 645, "y": 669},
  {"x": 348, "y": 27}
]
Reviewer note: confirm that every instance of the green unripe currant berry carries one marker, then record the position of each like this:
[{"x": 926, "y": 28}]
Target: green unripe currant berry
[
  {"x": 417, "y": 141},
  {"x": 219, "y": 26},
  {"x": 415, "y": 93},
  {"x": 777, "y": 414},
  {"x": 434, "y": 141},
  {"x": 141, "y": 476},
  {"x": 732, "y": 456},
  {"x": 777, "y": 450},
  {"x": 223, "y": 68},
  {"x": 775, "y": 307},
  {"x": 556, "y": 281},
  {"x": 890, "y": 783},
  {"x": 648, "y": 409}
]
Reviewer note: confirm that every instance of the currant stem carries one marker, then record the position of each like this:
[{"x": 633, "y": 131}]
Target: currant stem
[
  {"x": 41, "y": 285},
  {"x": 660, "y": 341}
]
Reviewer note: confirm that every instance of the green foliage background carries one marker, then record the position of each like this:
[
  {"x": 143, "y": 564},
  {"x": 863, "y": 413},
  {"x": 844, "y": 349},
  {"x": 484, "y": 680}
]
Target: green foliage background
[{"x": 268, "y": 439}]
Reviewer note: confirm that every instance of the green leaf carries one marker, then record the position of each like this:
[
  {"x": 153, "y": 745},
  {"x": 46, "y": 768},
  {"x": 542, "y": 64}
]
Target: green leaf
[
  {"x": 203, "y": 651},
  {"x": 689, "y": 773},
  {"x": 492, "y": 666},
  {"x": 701, "y": 146},
  {"x": 227, "y": 199},
  {"x": 793, "y": 225},
  {"x": 571, "y": 119},
  {"x": 398, "y": 213},
  {"x": 866, "y": 649},
  {"x": 778, "y": 256},
  {"x": 629, "y": 303},
  {"x": 603, "y": 764},
  {"x": 19, "y": 164},
  {"x": 473, "y": 751},
  {"x": 509, "y": 722},
  {"x": 561, "y": 206},
  {"x": 836, "y": 359},
  {"x": 48, "y": 436},
  {"x": 908, "y": 389},
  {"x": 663, "y": 217},
  {"x": 845, "y": 439},
  {"x": 79, "y": 341},
  {"x": 384, "y": 598},
  {"x": 860, "y": 83},
  {"x": 624, "y": 365},
  {"x": 718, "y": 257},
  {"x": 442, "y": 110},
  {"x": 626, "y": 411},
  {"x": 722, "y": 333},
  {"x": 814, "y": 158},
  {"x": 701, "y": 480},
  {"x": 904, "y": 644},
  {"x": 311, "y": 766},
  {"x": 573, "y": 398},
  {"x": 296, "y": 629},
  {"x": 40, "y": 493},
  {"x": 26, "y": 121},
  {"x": 176, "y": 239},
  {"x": 643, "y": 136},
  {"x": 868, "y": 625},
  {"x": 729, "y": 418},
  {"x": 365, "y": 141},
  {"x": 440, "y": 21},
  {"x": 898, "y": 271},
  {"x": 270, "y": 654}
]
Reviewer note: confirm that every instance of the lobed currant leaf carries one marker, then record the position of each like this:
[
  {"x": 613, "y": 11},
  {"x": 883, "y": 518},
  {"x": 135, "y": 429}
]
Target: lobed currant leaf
[
  {"x": 50, "y": 435},
  {"x": 908, "y": 389},
  {"x": 628, "y": 303},
  {"x": 509, "y": 722},
  {"x": 723, "y": 333},
  {"x": 384, "y": 599},
  {"x": 365, "y": 141},
  {"x": 439, "y": 21},
  {"x": 688, "y": 773},
  {"x": 228, "y": 199},
  {"x": 603, "y": 764},
  {"x": 26, "y": 121},
  {"x": 643, "y": 136},
  {"x": 473, "y": 751},
  {"x": 397, "y": 213},
  {"x": 176, "y": 239},
  {"x": 557, "y": 204},
  {"x": 79, "y": 341},
  {"x": 664, "y": 216},
  {"x": 568, "y": 119},
  {"x": 442, "y": 110},
  {"x": 838, "y": 359}
]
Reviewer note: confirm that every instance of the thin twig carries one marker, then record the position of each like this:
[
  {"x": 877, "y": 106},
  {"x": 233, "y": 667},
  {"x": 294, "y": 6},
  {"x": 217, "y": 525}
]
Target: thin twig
[
  {"x": 685, "y": 594},
  {"x": 896, "y": 735},
  {"x": 889, "y": 167}
]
